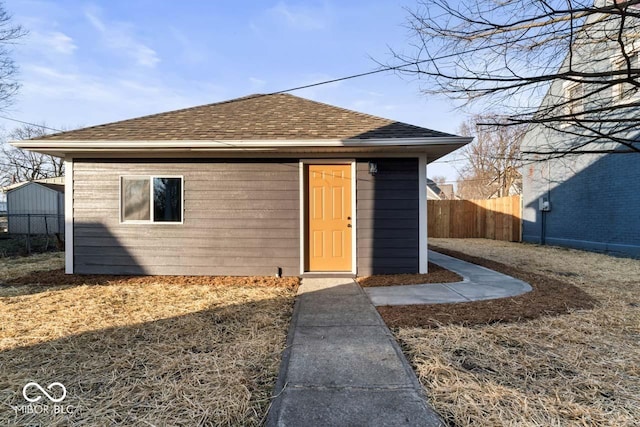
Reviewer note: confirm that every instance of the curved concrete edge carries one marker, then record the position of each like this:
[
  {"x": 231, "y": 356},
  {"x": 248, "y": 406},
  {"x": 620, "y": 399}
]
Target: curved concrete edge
[{"x": 479, "y": 283}]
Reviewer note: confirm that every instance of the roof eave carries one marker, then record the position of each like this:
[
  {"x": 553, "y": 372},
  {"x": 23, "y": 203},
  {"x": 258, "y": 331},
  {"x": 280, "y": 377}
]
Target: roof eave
[{"x": 63, "y": 148}]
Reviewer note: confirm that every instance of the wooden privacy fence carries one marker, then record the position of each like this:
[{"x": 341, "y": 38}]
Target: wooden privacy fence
[{"x": 497, "y": 219}]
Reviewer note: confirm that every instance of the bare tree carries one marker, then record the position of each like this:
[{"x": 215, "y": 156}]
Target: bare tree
[
  {"x": 506, "y": 55},
  {"x": 9, "y": 34},
  {"x": 18, "y": 165},
  {"x": 492, "y": 160}
]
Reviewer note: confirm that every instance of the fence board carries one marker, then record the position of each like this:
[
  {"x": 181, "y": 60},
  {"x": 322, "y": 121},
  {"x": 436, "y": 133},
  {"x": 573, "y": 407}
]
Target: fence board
[{"x": 497, "y": 219}]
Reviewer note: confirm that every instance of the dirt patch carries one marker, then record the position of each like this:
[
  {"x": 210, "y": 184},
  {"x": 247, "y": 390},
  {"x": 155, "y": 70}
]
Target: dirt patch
[
  {"x": 549, "y": 297},
  {"x": 579, "y": 368},
  {"x": 144, "y": 350},
  {"x": 436, "y": 274}
]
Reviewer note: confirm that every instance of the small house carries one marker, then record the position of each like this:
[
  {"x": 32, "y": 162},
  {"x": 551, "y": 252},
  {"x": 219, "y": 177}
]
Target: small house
[{"x": 259, "y": 185}]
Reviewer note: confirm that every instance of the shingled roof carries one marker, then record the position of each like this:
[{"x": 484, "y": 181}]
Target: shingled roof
[{"x": 257, "y": 117}]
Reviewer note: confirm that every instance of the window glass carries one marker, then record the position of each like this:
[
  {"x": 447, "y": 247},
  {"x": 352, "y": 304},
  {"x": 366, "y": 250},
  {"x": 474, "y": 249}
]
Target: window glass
[
  {"x": 576, "y": 103},
  {"x": 627, "y": 90},
  {"x": 135, "y": 199},
  {"x": 167, "y": 199}
]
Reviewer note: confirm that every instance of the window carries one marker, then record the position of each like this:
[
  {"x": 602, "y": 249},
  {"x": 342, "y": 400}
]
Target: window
[
  {"x": 151, "y": 199},
  {"x": 575, "y": 98},
  {"x": 624, "y": 91}
]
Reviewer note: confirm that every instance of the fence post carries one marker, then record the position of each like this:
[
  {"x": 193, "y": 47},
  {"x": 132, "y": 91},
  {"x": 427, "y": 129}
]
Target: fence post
[{"x": 29, "y": 234}]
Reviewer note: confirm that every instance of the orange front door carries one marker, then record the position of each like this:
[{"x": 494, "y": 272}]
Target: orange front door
[{"x": 329, "y": 218}]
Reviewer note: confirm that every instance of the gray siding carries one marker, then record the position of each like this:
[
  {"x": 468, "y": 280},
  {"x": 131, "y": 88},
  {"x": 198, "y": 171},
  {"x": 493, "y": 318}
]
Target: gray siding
[
  {"x": 387, "y": 215},
  {"x": 240, "y": 218},
  {"x": 44, "y": 204}
]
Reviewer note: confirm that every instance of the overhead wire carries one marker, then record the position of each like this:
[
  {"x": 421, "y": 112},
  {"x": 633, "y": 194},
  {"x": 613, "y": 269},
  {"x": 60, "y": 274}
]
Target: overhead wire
[
  {"x": 30, "y": 124},
  {"x": 324, "y": 82}
]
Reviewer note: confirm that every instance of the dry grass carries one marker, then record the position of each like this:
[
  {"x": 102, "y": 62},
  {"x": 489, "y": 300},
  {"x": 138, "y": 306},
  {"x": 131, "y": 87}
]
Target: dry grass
[
  {"x": 144, "y": 351},
  {"x": 581, "y": 368},
  {"x": 15, "y": 267},
  {"x": 436, "y": 274}
]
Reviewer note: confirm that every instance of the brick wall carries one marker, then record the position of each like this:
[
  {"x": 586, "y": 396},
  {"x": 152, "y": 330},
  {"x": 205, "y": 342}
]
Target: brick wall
[{"x": 595, "y": 202}]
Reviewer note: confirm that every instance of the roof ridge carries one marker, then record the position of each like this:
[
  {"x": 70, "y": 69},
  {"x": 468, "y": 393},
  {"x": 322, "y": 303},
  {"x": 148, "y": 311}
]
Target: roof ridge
[
  {"x": 256, "y": 116},
  {"x": 146, "y": 116},
  {"x": 360, "y": 113}
]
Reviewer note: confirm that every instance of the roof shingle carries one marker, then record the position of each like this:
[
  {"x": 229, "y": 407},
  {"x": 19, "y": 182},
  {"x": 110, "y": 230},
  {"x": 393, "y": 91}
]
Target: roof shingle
[{"x": 255, "y": 117}]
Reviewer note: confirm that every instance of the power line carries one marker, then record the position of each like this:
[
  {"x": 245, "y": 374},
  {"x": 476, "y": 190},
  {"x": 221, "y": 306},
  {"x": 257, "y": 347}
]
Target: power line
[
  {"x": 355, "y": 76},
  {"x": 30, "y": 124},
  {"x": 324, "y": 82}
]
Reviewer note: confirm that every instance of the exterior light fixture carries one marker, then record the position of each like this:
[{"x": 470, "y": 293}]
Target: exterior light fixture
[{"x": 373, "y": 168}]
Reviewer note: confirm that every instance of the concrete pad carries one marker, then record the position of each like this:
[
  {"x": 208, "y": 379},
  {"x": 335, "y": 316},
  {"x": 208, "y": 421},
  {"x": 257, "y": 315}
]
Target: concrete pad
[
  {"x": 358, "y": 356},
  {"x": 339, "y": 407},
  {"x": 341, "y": 365},
  {"x": 479, "y": 283},
  {"x": 338, "y": 286},
  {"x": 475, "y": 292},
  {"x": 333, "y": 310},
  {"x": 413, "y": 294}
]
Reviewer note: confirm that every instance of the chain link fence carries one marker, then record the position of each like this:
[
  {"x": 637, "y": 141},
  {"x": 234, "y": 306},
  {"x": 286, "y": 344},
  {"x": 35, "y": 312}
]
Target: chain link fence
[{"x": 23, "y": 234}]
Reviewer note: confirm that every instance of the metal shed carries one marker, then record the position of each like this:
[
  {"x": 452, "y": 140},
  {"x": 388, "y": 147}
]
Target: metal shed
[{"x": 36, "y": 208}]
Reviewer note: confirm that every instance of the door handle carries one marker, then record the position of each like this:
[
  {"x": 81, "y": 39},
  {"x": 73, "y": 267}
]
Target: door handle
[{"x": 349, "y": 225}]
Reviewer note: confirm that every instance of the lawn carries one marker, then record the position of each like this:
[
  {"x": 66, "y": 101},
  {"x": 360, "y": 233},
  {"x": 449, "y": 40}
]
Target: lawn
[
  {"x": 140, "y": 351},
  {"x": 571, "y": 366}
]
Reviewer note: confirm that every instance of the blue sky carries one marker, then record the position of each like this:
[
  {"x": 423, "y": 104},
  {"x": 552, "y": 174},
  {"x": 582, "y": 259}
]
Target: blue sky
[{"x": 86, "y": 63}]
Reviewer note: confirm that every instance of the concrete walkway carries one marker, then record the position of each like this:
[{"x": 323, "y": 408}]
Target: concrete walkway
[
  {"x": 342, "y": 366},
  {"x": 478, "y": 283}
]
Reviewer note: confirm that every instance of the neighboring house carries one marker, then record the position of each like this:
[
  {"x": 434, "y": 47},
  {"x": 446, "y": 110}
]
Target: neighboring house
[
  {"x": 588, "y": 200},
  {"x": 260, "y": 185},
  {"x": 55, "y": 180},
  {"x": 439, "y": 191},
  {"x": 3, "y": 208},
  {"x": 447, "y": 191},
  {"x": 35, "y": 208},
  {"x": 433, "y": 191},
  {"x": 507, "y": 183},
  {"x": 431, "y": 195}
]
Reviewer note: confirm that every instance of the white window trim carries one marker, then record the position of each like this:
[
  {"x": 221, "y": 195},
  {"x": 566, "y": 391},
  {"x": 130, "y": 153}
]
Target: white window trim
[
  {"x": 567, "y": 88},
  {"x": 616, "y": 62},
  {"x": 151, "y": 220}
]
